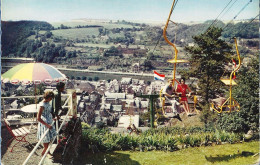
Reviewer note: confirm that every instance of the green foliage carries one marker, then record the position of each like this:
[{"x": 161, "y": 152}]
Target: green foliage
[
  {"x": 100, "y": 124},
  {"x": 85, "y": 125},
  {"x": 112, "y": 51},
  {"x": 193, "y": 141},
  {"x": 15, "y": 34},
  {"x": 126, "y": 142},
  {"x": 164, "y": 139},
  {"x": 96, "y": 78},
  {"x": 147, "y": 65},
  {"x": 64, "y": 27},
  {"x": 50, "y": 53},
  {"x": 243, "y": 30},
  {"x": 207, "y": 117},
  {"x": 144, "y": 117},
  {"x": 250, "y": 31}
]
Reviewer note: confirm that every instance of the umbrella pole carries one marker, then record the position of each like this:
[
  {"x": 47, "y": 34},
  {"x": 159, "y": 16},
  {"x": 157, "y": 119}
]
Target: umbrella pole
[
  {"x": 35, "y": 101},
  {"x": 35, "y": 95}
]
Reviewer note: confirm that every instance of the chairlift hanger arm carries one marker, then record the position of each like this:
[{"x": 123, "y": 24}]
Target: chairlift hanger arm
[
  {"x": 238, "y": 56},
  {"x": 165, "y": 28}
]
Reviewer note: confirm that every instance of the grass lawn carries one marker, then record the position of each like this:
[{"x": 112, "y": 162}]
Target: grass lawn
[{"x": 237, "y": 154}]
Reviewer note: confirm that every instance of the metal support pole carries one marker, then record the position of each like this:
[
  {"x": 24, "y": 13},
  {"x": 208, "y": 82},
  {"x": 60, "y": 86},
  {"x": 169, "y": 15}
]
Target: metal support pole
[
  {"x": 3, "y": 105},
  {"x": 151, "y": 112},
  {"x": 151, "y": 98},
  {"x": 57, "y": 130}
]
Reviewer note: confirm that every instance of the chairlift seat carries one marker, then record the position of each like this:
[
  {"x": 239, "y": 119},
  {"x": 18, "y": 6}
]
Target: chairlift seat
[
  {"x": 173, "y": 61},
  {"x": 227, "y": 82},
  {"x": 167, "y": 104}
]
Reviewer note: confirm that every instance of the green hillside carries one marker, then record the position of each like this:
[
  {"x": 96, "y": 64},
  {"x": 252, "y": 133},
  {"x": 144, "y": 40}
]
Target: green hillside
[{"x": 16, "y": 33}]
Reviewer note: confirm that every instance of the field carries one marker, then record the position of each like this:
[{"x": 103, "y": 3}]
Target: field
[
  {"x": 115, "y": 35},
  {"x": 228, "y": 154},
  {"x": 106, "y": 24},
  {"x": 94, "y": 45},
  {"x": 80, "y": 33}
]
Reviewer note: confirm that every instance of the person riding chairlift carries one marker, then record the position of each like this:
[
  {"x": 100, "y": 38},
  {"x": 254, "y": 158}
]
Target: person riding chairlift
[
  {"x": 181, "y": 89},
  {"x": 169, "y": 94}
]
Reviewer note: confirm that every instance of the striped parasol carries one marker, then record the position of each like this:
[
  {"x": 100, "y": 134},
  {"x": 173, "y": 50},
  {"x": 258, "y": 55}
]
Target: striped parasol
[{"x": 34, "y": 73}]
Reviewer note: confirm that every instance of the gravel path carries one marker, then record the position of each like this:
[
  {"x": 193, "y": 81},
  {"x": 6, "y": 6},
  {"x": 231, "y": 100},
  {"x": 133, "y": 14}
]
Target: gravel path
[{"x": 21, "y": 150}]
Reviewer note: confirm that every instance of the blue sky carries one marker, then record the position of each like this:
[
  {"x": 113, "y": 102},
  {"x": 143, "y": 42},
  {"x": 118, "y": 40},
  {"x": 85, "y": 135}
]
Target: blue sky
[{"x": 143, "y": 10}]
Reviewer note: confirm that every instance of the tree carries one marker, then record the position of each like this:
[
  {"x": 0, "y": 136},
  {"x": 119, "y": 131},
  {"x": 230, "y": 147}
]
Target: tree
[
  {"x": 101, "y": 31},
  {"x": 96, "y": 78},
  {"x": 48, "y": 34},
  {"x": 63, "y": 27},
  {"x": 148, "y": 65},
  {"x": 208, "y": 58},
  {"x": 74, "y": 54},
  {"x": 112, "y": 51},
  {"x": 151, "y": 56}
]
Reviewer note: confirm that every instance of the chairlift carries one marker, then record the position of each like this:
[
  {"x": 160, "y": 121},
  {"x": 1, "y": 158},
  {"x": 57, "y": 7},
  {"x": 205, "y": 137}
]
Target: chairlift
[
  {"x": 174, "y": 61},
  {"x": 230, "y": 104}
]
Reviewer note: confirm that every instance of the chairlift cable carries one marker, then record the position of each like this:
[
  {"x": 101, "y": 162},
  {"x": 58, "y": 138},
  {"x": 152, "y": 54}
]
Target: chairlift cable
[
  {"x": 218, "y": 15},
  {"x": 244, "y": 27},
  {"x": 215, "y": 21},
  {"x": 226, "y": 11},
  {"x": 233, "y": 18},
  {"x": 170, "y": 21},
  {"x": 157, "y": 43},
  {"x": 238, "y": 13},
  {"x": 174, "y": 5}
]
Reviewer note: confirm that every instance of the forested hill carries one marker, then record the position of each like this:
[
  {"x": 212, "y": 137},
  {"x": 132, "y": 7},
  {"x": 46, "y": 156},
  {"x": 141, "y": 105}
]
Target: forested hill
[
  {"x": 44, "y": 43},
  {"x": 14, "y": 33}
]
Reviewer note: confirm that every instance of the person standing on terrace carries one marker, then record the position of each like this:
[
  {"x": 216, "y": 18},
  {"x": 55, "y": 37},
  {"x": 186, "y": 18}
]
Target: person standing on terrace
[
  {"x": 45, "y": 120},
  {"x": 56, "y": 103}
]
